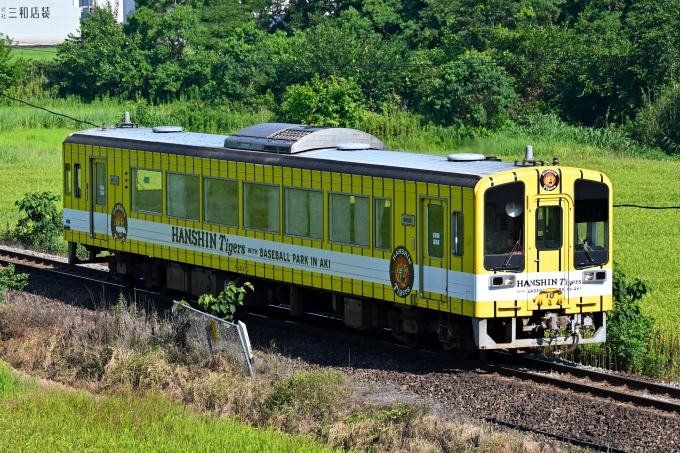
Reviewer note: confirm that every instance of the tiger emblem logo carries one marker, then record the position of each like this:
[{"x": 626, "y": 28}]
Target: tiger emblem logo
[
  {"x": 119, "y": 223},
  {"x": 401, "y": 271}
]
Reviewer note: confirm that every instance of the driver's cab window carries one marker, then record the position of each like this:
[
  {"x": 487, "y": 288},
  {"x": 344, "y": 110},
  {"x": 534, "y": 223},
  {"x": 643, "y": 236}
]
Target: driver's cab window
[
  {"x": 504, "y": 227},
  {"x": 591, "y": 223}
]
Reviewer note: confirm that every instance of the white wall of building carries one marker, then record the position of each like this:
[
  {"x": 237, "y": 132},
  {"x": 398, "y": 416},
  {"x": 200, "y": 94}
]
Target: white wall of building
[{"x": 49, "y": 22}]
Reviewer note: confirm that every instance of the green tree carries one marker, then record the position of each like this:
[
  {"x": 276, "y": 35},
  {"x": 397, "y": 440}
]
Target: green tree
[
  {"x": 330, "y": 102},
  {"x": 347, "y": 48},
  {"x": 243, "y": 68},
  {"x": 472, "y": 90},
  {"x": 10, "y": 67},
  {"x": 166, "y": 42},
  {"x": 101, "y": 60}
]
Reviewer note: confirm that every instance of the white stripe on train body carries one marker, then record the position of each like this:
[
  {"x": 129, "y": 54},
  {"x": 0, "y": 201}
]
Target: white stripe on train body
[{"x": 460, "y": 285}]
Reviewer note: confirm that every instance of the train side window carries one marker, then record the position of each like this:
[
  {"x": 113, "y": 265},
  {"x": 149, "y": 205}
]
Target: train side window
[
  {"x": 435, "y": 230},
  {"x": 100, "y": 183},
  {"x": 67, "y": 180},
  {"x": 147, "y": 191},
  {"x": 457, "y": 233},
  {"x": 303, "y": 213},
  {"x": 349, "y": 219},
  {"x": 183, "y": 192},
  {"x": 77, "y": 181},
  {"x": 220, "y": 200},
  {"x": 383, "y": 224},
  {"x": 261, "y": 208}
]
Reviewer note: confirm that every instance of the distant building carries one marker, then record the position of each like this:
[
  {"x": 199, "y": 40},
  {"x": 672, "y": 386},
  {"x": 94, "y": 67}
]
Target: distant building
[{"x": 49, "y": 22}]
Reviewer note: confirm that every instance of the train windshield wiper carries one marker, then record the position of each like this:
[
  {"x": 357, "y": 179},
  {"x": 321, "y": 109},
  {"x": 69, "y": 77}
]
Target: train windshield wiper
[
  {"x": 585, "y": 249},
  {"x": 591, "y": 262},
  {"x": 504, "y": 266}
]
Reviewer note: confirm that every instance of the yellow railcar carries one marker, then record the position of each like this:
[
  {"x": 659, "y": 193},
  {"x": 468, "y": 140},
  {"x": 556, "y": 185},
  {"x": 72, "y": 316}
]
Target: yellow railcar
[{"x": 483, "y": 253}]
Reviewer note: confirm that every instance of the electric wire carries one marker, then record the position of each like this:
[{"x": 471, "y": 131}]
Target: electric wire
[
  {"x": 644, "y": 207},
  {"x": 48, "y": 111}
]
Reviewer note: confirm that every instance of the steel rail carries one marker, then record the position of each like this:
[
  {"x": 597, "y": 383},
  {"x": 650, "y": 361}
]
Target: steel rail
[{"x": 598, "y": 376}]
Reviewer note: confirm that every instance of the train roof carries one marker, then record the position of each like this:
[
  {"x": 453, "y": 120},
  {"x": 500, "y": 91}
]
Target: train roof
[{"x": 315, "y": 148}]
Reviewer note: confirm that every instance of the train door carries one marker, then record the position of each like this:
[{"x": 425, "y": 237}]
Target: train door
[
  {"x": 99, "y": 219},
  {"x": 434, "y": 255},
  {"x": 548, "y": 252}
]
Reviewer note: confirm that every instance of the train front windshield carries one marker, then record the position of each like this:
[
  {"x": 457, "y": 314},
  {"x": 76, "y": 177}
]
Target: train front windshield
[
  {"x": 504, "y": 227},
  {"x": 591, "y": 229}
]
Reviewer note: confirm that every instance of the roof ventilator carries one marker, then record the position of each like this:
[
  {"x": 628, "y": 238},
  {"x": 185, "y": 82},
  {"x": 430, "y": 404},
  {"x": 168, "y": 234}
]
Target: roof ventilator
[
  {"x": 465, "y": 157},
  {"x": 166, "y": 129},
  {"x": 283, "y": 138}
]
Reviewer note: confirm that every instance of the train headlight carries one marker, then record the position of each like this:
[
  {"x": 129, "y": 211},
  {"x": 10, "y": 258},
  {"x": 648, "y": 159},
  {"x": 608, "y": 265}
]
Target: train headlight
[
  {"x": 502, "y": 281},
  {"x": 594, "y": 276}
]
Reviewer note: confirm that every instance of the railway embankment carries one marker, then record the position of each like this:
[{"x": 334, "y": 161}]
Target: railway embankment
[{"x": 85, "y": 337}]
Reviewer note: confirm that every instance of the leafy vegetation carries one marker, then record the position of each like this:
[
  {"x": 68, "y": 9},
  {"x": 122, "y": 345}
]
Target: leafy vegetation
[
  {"x": 42, "y": 226},
  {"x": 474, "y": 67},
  {"x": 225, "y": 304},
  {"x": 10, "y": 280},
  {"x": 629, "y": 331}
]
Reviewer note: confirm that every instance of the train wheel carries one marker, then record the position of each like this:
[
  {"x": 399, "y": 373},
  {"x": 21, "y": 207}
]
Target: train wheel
[{"x": 412, "y": 340}]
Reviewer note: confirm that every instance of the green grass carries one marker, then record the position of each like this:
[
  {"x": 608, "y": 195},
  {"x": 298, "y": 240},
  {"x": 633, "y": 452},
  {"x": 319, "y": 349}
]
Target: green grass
[
  {"x": 35, "y": 53},
  {"x": 30, "y": 161},
  {"x": 36, "y": 420}
]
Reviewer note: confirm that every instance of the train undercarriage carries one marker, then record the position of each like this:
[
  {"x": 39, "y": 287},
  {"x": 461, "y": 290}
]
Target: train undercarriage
[{"x": 408, "y": 324}]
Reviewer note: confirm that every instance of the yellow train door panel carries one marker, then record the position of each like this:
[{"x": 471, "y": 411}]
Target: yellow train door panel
[
  {"x": 99, "y": 225},
  {"x": 434, "y": 251},
  {"x": 548, "y": 252}
]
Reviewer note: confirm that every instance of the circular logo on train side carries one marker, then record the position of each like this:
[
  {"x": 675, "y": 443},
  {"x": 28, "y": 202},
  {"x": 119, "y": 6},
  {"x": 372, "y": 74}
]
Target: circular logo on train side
[
  {"x": 549, "y": 180},
  {"x": 401, "y": 271},
  {"x": 119, "y": 222}
]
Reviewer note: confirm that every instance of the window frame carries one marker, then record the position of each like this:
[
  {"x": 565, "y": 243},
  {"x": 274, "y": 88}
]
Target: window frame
[
  {"x": 165, "y": 193},
  {"x": 244, "y": 207},
  {"x": 349, "y": 194},
  {"x": 541, "y": 247},
  {"x": 68, "y": 182},
  {"x": 77, "y": 180},
  {"x": 95, "y": 180},
  {"x": 457, "y": 241},
  {"x": 375, "y": 224},
  {"x": 323, "y": 233},
  {"x": 238, "y": 200},
  {"x": 133, "y": 182}
]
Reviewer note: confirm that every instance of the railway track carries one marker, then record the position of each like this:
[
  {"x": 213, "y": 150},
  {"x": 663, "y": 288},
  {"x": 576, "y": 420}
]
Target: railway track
[{"x": 612, "y": 387}]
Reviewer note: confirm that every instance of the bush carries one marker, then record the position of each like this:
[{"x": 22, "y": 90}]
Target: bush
[
  {"x": 315, "y": 394},
  {"x": 472, "y": 91},
  {"x": 658, "y": 123},
  {"x": 331, "y": 102},
  {"x": 43, "y": 225},
  {"x": 224, "y": 305},
  {"x": 10, "y": 280},
  {"x": 630, "y": 332}
]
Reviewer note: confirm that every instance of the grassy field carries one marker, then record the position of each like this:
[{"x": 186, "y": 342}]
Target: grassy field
[
  {"x": 35, "y": 53},
  {"x": 34, "y": 419}
]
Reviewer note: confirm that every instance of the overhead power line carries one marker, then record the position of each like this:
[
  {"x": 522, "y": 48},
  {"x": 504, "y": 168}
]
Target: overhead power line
[
  {"x": 644, "y": 207},
  {"x": 48, "y": 111}
]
